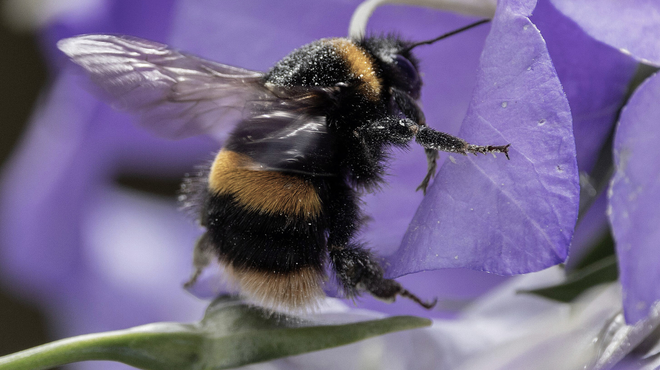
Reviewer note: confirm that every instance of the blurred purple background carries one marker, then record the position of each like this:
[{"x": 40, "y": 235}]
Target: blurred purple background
[{"x": 22, "y": 324}]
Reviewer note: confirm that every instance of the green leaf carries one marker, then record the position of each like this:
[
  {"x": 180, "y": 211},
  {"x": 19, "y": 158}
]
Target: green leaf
[
  {"x": 231, "y": 334},
  {"x": 603, "y": 271}
]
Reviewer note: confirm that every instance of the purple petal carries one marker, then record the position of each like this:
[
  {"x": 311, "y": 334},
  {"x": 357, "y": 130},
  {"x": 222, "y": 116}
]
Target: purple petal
[
  {"x": 490, "y": 214},
  {"x": 594, "y": 76},
  {"x": 247, "y": 35},
  {"x": 633, "y": 26},
  {"x": 634, "y": 198}
]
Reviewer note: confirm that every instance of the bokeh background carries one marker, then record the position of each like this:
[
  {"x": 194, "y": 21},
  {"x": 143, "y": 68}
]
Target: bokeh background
[{"x": 24, "y": 74}]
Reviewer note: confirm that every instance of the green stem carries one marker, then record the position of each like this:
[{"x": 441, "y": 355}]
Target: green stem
[
  {"x": 230, "y": 335},
  {"x": 125, "y": 346}
]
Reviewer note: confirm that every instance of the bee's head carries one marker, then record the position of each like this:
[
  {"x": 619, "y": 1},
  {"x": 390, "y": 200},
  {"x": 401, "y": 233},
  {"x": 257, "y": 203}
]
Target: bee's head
[
  {"x": 405, "y": 67},
  {"x": 399, "y": 65}
]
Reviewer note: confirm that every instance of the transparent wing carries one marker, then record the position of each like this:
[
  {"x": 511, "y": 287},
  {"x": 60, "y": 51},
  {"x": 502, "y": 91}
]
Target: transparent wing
[
  {"x": 177, "y": 95},
  {"x": 281, "y": 142},
  {"x": 288, "y": 134}
]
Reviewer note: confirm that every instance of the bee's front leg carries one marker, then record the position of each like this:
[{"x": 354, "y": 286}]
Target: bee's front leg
[
  {"x": 409, "y": 107},
  {"x": 432, "y": 139}
]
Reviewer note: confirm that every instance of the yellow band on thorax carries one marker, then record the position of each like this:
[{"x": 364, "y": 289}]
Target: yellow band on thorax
[{"x": 360, "y": 64}]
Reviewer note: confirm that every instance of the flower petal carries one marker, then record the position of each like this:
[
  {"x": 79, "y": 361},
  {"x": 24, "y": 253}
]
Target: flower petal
[
  {"x": 632, "y": 26},
  {"x": 594, "y": 76},
  {"x": 504, "y": 217},
  {"x": 634, "y": 197}
]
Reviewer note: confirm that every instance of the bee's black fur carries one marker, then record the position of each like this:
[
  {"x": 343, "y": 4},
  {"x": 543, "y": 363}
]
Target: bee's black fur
[
  {"x": 301, "y": 66},
  {"x": 264, "y": 242}
]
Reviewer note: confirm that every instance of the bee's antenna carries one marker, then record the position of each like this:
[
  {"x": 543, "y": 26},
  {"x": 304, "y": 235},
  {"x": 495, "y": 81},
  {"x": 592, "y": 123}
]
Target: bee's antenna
[{"x": 428, "y": 42}]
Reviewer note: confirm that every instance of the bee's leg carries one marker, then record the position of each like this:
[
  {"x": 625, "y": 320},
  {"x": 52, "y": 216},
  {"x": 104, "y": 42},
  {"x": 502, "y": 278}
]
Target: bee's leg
[
  {"x": 431, "y": 159},
  {"x": 431, "y": 139},
  {"x": 409, "y": 107},
  {"x": 389, "y": 130},
  {"x": 357, "y": 269},
  {"x": 202, "y": 257}
]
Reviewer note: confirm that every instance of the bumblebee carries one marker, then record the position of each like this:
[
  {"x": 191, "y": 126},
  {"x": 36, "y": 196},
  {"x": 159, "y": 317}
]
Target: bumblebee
[{"x": 280, "y": 202}]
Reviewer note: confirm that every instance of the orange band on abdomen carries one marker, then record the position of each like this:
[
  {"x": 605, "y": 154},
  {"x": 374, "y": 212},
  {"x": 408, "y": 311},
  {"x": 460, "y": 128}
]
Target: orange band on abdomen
[{"x": 263, "y": 191}]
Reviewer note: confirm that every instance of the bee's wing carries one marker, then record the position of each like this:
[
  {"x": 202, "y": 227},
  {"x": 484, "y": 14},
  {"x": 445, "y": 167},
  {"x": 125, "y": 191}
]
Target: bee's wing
[
  {"x": 177, "y": 95},
  {"x": 289, "y": 133}
]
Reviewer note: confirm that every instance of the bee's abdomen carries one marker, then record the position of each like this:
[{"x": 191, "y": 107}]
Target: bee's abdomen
[
  {"x": 263, "y": 220},
  {"x": 269, "y": 193},
  {"x": 263, "y": 242},
  {"x": 267, "y": 231}
]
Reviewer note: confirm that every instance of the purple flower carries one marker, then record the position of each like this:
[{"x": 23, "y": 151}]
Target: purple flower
[
  {"x": 634, "y": 194},
  {"x": 632, "y": 27},
  {"x": 102, "y": 257},
  {"x": 503, "y": 217}
]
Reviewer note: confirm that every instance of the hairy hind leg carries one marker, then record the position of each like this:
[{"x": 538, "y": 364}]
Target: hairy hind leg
[
  {"x": 202, "y": 257},
  {"x": 357, "y": 269}
]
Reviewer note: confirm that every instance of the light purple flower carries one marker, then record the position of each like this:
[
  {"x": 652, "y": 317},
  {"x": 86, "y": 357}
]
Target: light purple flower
[
  {"x": 503, "y": 217},
  {"x": 634, "y": 196},
  {"x": 595, "y": 87},
  {"x": 631, "y": 26}
]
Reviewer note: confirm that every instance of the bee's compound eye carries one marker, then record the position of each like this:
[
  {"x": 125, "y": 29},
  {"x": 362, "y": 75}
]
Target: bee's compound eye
[{"x": 409, "y": 72}]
